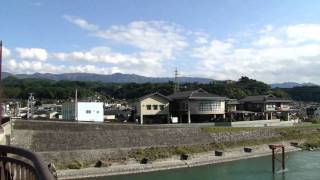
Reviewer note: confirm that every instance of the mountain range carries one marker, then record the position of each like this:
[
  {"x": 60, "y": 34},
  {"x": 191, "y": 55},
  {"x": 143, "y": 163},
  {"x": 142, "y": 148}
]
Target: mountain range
[
  {"x": 112, "y": 78},
  {"x": 291, "y": 85},
  {"x": 132, "y": 78}
]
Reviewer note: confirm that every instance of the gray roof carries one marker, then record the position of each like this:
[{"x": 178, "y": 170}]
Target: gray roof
[
  {"x": 198, "y": 94},
  {"x": 154, "y": 94},
  {"x": 263, "y": 99}
]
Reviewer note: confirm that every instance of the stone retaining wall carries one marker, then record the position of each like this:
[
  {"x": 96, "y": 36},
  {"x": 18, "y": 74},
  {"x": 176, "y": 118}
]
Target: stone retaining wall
[{"x": 67, "y": 141}]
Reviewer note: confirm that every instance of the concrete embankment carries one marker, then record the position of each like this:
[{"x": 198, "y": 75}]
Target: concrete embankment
[
  {"x": 172, "y": 163},
  {"x": 65, "y": 142}
]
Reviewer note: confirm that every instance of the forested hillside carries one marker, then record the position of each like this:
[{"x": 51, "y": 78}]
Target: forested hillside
[
  {"x": 14, "y": 88},
  {"x": 305, "y": 93}
]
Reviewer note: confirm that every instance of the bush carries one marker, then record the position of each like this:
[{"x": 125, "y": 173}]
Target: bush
[
  {"x": 315, "y": 121},
  {"x": 76, "y": 165}
]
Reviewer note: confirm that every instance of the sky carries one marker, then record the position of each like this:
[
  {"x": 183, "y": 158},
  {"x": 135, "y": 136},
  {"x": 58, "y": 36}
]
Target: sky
[{"x": 271, "y": 41}]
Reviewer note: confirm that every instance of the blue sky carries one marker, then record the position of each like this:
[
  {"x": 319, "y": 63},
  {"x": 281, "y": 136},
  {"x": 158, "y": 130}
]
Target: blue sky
[{"x": 272, "y": 41}]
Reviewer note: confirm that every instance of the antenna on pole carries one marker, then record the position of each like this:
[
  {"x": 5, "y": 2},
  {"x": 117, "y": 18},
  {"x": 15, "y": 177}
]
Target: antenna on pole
[{"x": 176, "y": 83}]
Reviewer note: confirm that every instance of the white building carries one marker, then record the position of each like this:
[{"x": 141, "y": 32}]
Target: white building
[{"x": 83, "y": 111}]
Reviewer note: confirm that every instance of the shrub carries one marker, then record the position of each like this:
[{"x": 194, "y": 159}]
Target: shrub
[
  {"x": 315, "y": 121},
  {"x": 76, "y": 165}
]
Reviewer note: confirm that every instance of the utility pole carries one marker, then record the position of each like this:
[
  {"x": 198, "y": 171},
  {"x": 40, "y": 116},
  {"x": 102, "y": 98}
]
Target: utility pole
[
  {"x": 176, "y": 81},
  {"x": 30, "y": 105},
  {"x": 1, "y": 110},
  {"x": 76, "y": 105}
]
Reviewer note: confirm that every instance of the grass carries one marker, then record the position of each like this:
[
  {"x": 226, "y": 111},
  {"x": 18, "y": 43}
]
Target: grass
[
  {"x": 77, "y": 165},
  {"x": 214, "y": 129}
]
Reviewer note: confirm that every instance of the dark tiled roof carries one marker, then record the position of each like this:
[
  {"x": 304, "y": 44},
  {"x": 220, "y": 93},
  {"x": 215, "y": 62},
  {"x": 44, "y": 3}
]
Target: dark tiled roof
[
  {"x": 263, "y": 99},
  {"x": 198, "y": 94},
  {"x": 115, "y": 112}
]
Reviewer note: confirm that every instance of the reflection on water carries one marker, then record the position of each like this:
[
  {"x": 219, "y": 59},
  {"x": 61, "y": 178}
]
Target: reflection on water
[{"x": 300, "y": 166}]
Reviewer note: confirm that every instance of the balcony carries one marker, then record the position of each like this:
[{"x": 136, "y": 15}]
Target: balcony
[{"x": 22, "y": 164}]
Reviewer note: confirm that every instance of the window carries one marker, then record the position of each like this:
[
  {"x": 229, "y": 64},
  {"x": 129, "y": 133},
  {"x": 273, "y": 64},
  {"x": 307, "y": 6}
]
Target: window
[
  {"x": 209, "y": 106},
  {"x": 88, "y": 111},
  {"x": 155, "y": 107},
  {"x": 161, "y": 107},
  {"x": 148, "y": 107}
]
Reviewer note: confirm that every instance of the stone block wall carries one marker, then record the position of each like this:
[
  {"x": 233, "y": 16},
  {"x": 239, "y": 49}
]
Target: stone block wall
[{"x": 69, "y": 140}]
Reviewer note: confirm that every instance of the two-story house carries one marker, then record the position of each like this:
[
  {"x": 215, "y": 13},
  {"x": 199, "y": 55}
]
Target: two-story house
[
  {"x": 187, "y": 106},
  {"x": 197, "y": 106},
  {"x": 153, "y": 108},
  {"x": 267, "y": 105}
]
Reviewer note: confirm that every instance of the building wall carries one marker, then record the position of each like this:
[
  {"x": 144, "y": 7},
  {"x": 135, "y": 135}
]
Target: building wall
[
  {"x": 317, "y": 113},
  {"x": 274, "y": 106},
  {"x": 90, "y": 111},
  {"x": 68, "y": 111},
  {"x": 195, "y": 107},
  {"x": 142, "y": 106},
  {"x": 95, "y": 109}
]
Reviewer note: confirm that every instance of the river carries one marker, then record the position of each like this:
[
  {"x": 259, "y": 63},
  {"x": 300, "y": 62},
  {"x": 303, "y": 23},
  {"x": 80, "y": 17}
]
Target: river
[{"x": 304, "y": 165}]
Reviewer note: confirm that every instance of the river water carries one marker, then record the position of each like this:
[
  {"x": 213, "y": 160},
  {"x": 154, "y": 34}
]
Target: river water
[{"x": 304, "y": 165}]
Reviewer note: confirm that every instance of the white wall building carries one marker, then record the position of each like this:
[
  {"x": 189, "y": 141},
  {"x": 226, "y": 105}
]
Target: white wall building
[{"x": 83, "y": 111}]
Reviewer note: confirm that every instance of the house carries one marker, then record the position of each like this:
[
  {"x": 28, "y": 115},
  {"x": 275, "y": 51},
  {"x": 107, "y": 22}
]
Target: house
[
  {"x": 197, "y": 106},
  {"x": 116, "y": 114},
  {"x": 83, "y": 111},
  {"x": 267, "y": 106},
  {"x": 232, "y": 105},
  {"x": 153, "y": 108},
  {"x": 313, "y": 111},
  {"x": 317, "y": 113}
]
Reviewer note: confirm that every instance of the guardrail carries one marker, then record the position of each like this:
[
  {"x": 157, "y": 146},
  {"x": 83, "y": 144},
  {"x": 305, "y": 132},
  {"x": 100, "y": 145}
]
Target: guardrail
[{"x": 22, "y": 164}]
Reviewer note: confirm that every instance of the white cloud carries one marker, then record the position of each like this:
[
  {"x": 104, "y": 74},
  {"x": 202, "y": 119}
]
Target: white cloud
[
  {"x": 97, "y": 55},
  {"x": 267, "y": 29},
  {"x": 32, "y": 53},
  {"x": 201, "y": 40},
  {"x": 222, "y": 60},
  {"x": 81, "y": 23},
  {"x": 215, "y": 50},
  {"x": 140, "y": 63},
  {"x": 6, "y": 52},
  {"x": 267, "y": 41},
  {"x": 156, "y": 36},
  {"x": 303, "y": 32},
  {"x": 272, "y": 54}
]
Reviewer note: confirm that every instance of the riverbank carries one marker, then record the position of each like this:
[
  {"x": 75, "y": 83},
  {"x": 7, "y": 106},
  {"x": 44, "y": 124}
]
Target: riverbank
[{"x": 199, "y": 159}]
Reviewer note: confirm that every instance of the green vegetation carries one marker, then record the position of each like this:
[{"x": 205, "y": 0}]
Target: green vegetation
[
  {"x": 304, "y": 93},
  {"x": 315, "y": 121},
  {"x": 312, "y": 142},
  {"x": 215, "y": 129},
  {"x": 77, "y": 165},
  {"x": 306, "y": 132},
  {"x": 63, "y": 90}
]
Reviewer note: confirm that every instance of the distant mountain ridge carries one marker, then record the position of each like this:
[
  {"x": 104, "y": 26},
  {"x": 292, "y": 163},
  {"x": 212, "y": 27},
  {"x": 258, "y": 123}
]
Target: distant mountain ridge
[
  {"x": 291, "y": 85},
  {"x": 112, "y": 78},
  {"x": 132, "y": 78}
]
